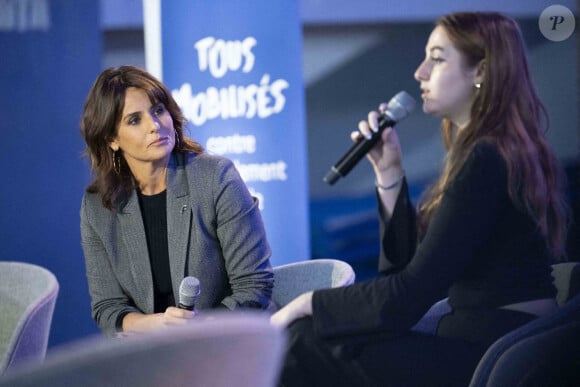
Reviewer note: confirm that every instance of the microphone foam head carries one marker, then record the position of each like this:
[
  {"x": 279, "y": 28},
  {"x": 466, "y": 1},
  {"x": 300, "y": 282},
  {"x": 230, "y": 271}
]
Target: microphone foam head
[
  {"x": 400, "y": 106},
  {"x": 189, "y": 291}
]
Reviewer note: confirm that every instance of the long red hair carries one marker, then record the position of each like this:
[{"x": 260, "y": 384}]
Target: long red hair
[{"x": 508, "y": 113}]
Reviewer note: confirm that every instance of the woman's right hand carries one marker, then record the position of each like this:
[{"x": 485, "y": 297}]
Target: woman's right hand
[
  {"x": 137, "y": 322},
  {"x": 385, "y": 156},
  {"x": 177, "y": 316}
]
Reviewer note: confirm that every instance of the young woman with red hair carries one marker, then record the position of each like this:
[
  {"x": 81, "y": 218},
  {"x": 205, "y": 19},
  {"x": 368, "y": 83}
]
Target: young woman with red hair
[{"x": 484, "y": 235}]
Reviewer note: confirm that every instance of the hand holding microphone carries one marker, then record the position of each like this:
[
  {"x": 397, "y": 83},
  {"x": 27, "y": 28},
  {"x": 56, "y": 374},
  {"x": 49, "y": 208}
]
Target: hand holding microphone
[
  {"x": 189, "y": 291},
  {"x": 385, "y": 155},
  {"x": 397, "y": 109}
]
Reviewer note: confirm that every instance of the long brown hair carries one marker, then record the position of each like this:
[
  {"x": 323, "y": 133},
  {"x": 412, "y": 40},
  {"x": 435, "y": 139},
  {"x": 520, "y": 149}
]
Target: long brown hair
[
  {"x": 102, "y": 111},
  {"x": 508, "y": 113}
]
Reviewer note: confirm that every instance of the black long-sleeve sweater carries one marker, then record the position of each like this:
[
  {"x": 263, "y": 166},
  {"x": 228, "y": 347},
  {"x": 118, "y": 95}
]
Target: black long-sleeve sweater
[{"x": 479, "y": 248}]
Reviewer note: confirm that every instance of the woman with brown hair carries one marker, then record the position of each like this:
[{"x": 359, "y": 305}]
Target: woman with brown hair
[
  {"x": 484, "y": 235},
  {"x": 160, "y": 209}
]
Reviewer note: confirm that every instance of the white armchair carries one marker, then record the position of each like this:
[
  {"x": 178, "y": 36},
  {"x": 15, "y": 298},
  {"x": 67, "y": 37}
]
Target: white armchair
[{"x": 293, "y": 279}]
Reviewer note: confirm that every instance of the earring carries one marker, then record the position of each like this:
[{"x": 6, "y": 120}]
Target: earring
[
  {"x": 116, "y": 165},
  {"x": 477, "y": 85}
]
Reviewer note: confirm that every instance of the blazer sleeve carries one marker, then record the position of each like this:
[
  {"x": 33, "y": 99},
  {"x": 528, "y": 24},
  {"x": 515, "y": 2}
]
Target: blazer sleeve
[
  {"x": 108, "y": 300},
  {"x": 469, "y": 209},
  {"x": 242, "y": 236}
]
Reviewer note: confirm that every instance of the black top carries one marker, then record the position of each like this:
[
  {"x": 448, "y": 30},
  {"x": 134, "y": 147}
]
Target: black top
[
  {"x": 479, "y": 249},
  {"x": 154, "y": 213}
]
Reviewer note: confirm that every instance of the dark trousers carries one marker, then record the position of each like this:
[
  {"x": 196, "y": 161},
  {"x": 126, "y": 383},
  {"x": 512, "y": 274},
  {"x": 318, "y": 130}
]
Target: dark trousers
[{"x": 409, "y": 359}]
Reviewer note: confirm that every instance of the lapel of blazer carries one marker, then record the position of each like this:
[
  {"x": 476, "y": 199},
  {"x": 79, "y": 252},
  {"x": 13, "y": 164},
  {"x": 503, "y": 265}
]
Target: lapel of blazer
[
  {"x": 133, "y": 233},
  {"x": 178, "y": 220}
]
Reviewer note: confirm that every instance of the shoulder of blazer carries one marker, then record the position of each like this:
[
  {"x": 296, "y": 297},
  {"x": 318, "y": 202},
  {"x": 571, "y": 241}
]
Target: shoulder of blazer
[
  {"x": 180, "y": 160},
  {"x": 93, "y": 210},
  {"x": 203, "y": 165}
]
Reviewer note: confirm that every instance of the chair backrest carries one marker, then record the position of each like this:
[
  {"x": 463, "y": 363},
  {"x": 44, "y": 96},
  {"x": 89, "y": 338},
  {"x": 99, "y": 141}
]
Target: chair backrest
[
  {"x": 27, "y": 297},
  {"x": 293, "y": 279},
  {"x": 219, "y": 349},
  {"x": 550, "y": 358},
  {"x": 498, "y": 362}
]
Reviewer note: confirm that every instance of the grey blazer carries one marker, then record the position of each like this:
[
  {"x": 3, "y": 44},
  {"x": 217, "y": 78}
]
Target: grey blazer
[{"x": 215, "y": 233}]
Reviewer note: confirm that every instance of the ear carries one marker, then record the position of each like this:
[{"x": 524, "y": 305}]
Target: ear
[
  {"x": 479, "y": 72},
  {"x": 114, "y": 145}
]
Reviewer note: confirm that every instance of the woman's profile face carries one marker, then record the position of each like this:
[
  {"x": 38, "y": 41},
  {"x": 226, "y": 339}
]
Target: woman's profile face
[
  {"x": 447, "y": 85},
  {"x": 145, "y": 133}
]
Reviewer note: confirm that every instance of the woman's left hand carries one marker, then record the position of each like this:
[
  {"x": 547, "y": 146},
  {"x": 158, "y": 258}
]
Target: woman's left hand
[{"x": 299, "y": 307}]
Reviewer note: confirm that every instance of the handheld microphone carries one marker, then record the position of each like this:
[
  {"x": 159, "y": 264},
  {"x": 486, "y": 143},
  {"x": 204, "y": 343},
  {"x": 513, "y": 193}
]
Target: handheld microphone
[
  {"x": 188, "y": 293},
  {"x": 398, "y": 108}
]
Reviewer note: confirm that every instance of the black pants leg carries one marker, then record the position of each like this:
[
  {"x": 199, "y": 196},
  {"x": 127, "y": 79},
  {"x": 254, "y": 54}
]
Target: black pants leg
[
  {"x": 420, "y": 360},
  {"x": 410, "y": 360},
  {"x": 312, "y": 362}
]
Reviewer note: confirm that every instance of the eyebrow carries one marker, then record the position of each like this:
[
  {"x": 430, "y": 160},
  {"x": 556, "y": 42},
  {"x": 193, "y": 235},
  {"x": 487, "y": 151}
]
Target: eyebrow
[
  {"x": 436, "y": 48},
  {"x": 131, "y": 115}
]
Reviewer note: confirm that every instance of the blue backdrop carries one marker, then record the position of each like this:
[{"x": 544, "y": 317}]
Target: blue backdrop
[
  {"x": 50, "y": 55},
  {"x": 235, "y": 68}
]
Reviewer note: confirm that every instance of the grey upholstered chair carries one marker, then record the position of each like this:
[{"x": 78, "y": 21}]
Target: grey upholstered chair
[
  {"x": 293, "y": 279},
  {"x": 27, "y": 297},
  {"x": 545, "y": 350},
  {"x": 536, "y": 352},
  {"x": 217, "y": 349}
]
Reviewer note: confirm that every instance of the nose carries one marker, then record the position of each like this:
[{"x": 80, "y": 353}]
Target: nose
[
  {"x": 154, "y": 125},
  {"x": 422, "y": 73}
]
